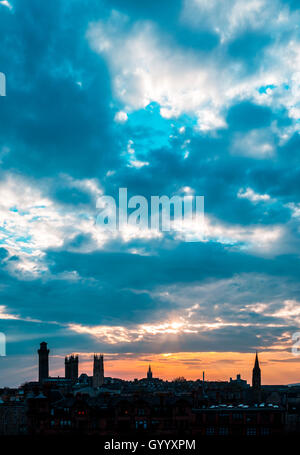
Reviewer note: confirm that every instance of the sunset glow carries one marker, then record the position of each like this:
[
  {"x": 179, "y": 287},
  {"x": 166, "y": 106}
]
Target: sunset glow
[{"x": 278, "y": 367}]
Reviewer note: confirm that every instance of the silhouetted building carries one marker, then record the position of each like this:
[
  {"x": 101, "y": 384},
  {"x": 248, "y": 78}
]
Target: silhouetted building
[
  {"x": 13, "y": 419},
  {"x": 161, "y": 415},
  {"x": 239, "y": 381},
  {"x": 256, "y": 375},
  {"x": 43, "y": 362},
  {"x": 71, "y": 367},
  {"x": 98, "y": 371},
  {"x": 70, "y": 405},
  {"x": 149, "y": 373}
]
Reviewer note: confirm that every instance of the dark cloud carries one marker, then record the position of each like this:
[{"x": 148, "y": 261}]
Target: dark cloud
[
  {"x": 61, "y": 126},
  {"x": 249, "y": 48},
  {"x": 246, "y": 116},
  {"x": 57, "y": 127}
]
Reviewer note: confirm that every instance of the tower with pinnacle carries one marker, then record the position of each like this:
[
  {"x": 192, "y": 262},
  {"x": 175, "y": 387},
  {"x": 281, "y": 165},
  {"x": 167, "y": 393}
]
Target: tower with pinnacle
[
  {"x": 98, "y": 371},
  {"x": 71, "y": 367},
  {"x": 149, "y": 373},
  {"x": 43, "y": 353}
]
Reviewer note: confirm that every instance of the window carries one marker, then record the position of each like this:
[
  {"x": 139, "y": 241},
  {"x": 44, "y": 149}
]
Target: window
[
  {"x": 65, "y": 423},
  {"x": 251, "y": 431},
  {"x": 251, "y": 418},
  {"x": 210, "y": 431},
  {"x": 141, "y": 424},
  {"x": 223, "y": 431},
  {"x": 265, "y": 431}
]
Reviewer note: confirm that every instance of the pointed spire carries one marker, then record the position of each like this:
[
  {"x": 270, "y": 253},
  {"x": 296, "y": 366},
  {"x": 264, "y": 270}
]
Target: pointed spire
[
  {"x": 256, "y": 364},
  {"x": 256, "y": 374},
  {"x": 149, "y": 374}
]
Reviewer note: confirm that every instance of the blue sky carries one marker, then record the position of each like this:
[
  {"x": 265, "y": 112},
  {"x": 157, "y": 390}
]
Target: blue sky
[{"x": 158, "y": 97}]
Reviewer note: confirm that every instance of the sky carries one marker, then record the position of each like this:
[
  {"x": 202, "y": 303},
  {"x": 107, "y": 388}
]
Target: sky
[{"x": 169, "y": 98}]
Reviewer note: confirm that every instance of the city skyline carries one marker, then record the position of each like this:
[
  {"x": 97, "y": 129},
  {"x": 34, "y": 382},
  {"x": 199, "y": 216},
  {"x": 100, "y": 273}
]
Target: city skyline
[
  {"x": 72, "y": 362},
  {"x": 86, "y": 367},
  {"x": 180, "y": 98},
  {"x": 99, "y": 405}
]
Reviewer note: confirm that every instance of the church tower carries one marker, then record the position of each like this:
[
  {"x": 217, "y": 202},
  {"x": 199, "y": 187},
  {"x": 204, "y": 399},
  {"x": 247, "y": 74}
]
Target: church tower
[
  {"x": 71, "y": 367},
  {"x": 98, "y": 371},
  {"x": 256, "y": 375},
  {"x": 43, "y": 353},
  {"x": 149, "y": 373}
]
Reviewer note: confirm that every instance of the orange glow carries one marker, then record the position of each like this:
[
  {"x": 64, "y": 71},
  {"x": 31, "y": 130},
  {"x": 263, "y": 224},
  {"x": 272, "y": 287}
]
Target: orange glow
[{"x": 278, "y": 367}]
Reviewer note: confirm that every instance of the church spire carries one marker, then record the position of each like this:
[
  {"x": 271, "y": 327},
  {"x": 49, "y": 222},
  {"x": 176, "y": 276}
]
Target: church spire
[
  {"x": 256, "y": 374},
  {"x": 149, "y": 374},
  {"x": 256, "y": 365}
]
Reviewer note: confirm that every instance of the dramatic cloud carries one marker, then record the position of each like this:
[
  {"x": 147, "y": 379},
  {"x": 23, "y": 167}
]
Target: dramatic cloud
[
  {"x": 147, "y": 67},
  {"x": 167, "y": 98}
]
